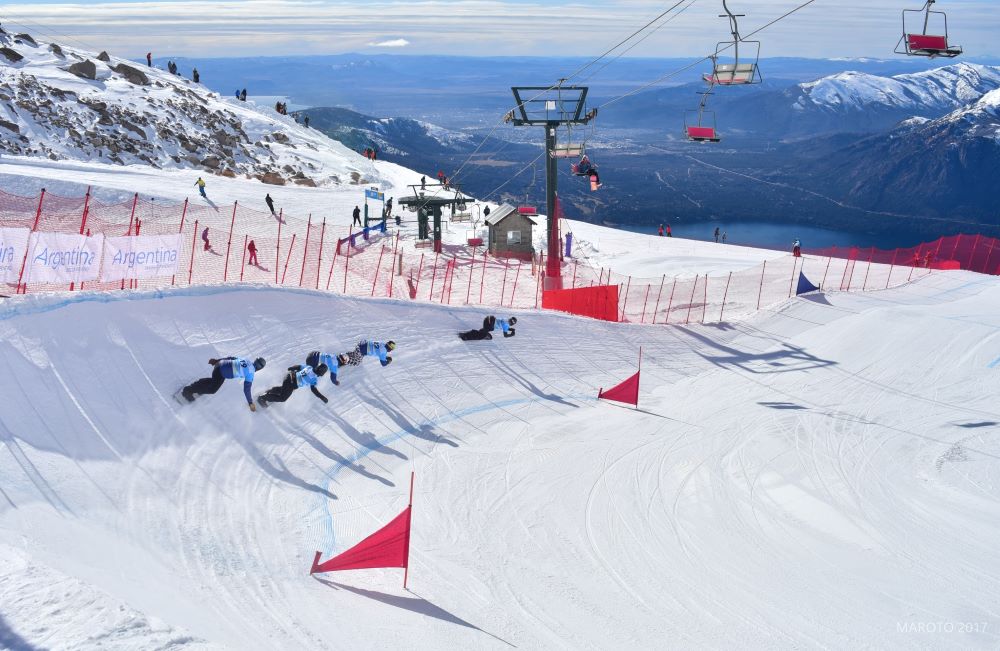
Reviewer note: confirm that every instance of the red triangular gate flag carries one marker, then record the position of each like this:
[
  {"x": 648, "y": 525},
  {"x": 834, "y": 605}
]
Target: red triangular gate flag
[
  {"x": 627, "y": 391},
  {"x": 387, "y": 547}
]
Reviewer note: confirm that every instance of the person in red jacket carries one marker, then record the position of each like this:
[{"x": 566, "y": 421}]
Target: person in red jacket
[
  {"x": 149, "y": 59},
  {"x": 252, "y": 248}
]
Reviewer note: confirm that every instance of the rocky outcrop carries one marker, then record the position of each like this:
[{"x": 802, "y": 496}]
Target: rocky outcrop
[
  {"x": 56, "y": 50},
  {"x": 134, "y": 75},
  {"x": 271, "y": 178},
  {"x": 103, "y": 56},
  {"x": 85, "y": 69},
  {"x": 25, "y": 38},
  {"x": 11, "y": 55}
]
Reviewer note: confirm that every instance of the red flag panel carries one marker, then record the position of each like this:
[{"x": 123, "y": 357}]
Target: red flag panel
[
  {"x": 627, "y": 391},
  {"x": 387, "y": 547}
]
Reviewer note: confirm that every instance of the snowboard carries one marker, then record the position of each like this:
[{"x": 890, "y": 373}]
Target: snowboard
[{"x": 179, "y": 397}]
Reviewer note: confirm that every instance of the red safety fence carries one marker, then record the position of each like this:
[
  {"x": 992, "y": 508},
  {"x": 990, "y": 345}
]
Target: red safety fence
[{"x": 236, "y": 244}]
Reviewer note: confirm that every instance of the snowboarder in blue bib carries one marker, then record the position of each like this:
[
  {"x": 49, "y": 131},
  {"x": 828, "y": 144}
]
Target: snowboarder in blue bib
[
  {"x": 491, "y": 323},
  {"x": 227, "y": 368},
  {"x": 298, "y": 376},
  {"x": 333, "y": 362},
  {"x": 374, "y": 349}
]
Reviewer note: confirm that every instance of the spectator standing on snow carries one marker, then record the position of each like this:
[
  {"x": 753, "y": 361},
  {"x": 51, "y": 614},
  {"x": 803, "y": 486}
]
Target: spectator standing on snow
[
  {"x": 195, "y": 76},
  {"x": 423, "y": 182},
  {"x": 486, "y": 212},
  {"x": 227, "y": 368},
  {"x": 252, "y": 249},
  {"x": 716, "y": 234},
  {"x": 201, "y": 186},
  {"x": 270, "y": 203},
  {"x": 357, "y": 216},
  {"x": 669, "y": 232},
  {"x": 243, "y": 95},
  {"x": 298, "y": 376},
  {"x": 306, "y": 118},
  {"x": 660, "y": 232},
  {"x": 149, "y": 59},
  {"x": 797, "y": 248},
  {"x": 204, "y": 238},
  {"x": 723, "y": 237}
]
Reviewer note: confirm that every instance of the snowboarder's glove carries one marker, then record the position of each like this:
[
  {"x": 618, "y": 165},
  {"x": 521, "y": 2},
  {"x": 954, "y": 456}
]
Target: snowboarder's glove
[
  {"x": 253, "y": 407},
  {"x": 213, "y": 361},
  {"x": 325, "y": 399},
  {"x": 336, "y": 381},
  {"x": 509, "y": 334},
  {"x": 388, "y": 360}
]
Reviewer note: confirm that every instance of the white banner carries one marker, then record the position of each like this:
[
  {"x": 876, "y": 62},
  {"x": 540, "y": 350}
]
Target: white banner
[
  {"x": 13, "y": 243},
  {"x": 142, "y": 256},
  {"x": 63, "y": 258}
]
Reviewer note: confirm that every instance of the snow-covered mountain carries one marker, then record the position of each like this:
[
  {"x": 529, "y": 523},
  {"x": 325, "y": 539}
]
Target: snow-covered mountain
[{"x": 64, "y": 103}]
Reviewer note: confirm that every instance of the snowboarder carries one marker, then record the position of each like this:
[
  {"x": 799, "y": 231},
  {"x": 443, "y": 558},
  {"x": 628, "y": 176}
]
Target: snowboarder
[
  {"x": 252, "y": 249},
  {"x": 298, "y": 376},
  {"x": 149, "y": 59},
  {"x": 797, "y": 248},
  {"x": 660, "y": 232},
  {"x": 374, "y": 349},
  {"x": 227, "y": 368},
  {"x": 204, "y": 238},
  {"x": 716, "y": 234},
  {"x": 201, "y": 186},
  {"x": 270, "y": 202},
  {"x": 491, "y": 323},
  {"x": 333, "y": 362},
  {"x": 357, "y": 216},
  {"x": 243, "y": 95},
  {"x": 195, "y": 76},
  {"x": 477, "y": 334}
]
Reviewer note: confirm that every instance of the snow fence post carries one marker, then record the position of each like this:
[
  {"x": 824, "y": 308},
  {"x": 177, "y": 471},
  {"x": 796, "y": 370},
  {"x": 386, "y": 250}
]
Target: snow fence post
[
  {"x": 244, "y": 260},
  {"x": 291, "y": 247},
  {"x": 644, "y": 301},
  {"x": 430, "y": 294},
  {"x": 704, "y": 307},
  {"x": 472, "y": 267},
  {"x": 392, "y": 270},
  {"x": 891, "y": 265},
  {"x": 277, "y": 249},
  {"x": 179, "y": 232},
  {"x": 972, "y": 254},
  {"x": 625, "y": 302},
  {"x": 482, "y": 279},
  {"x": 229, "y": 244},
  {"x": 503, "y": 287},
  {"x": 724, "y": 295},
  {"x": 760, "y": 289},
  {"x": 791, "y": 282},
  {"x": 24, "y": 262},
  {"x": 319, "y": 264},
  {"x": 406, "y": 570},
  {"x": 420, "y": 270},
  {"x": 694, "y": 288},
  {"x": 871, "y": 256},
  {"x": 305, "y": 252},
  {"x": 513, "y": 291},
  {"x": 347, "y": 255},
  {"x": 375, "y": 280},
  {"x": 671, "y": 301},
  {"x": 658, "y": 294},
  {"x": 83, "y": 226},
  {"x": 986, "y": 269},
  {"x": 194, "y": 240},
  {"x": 829, "y": 259}
]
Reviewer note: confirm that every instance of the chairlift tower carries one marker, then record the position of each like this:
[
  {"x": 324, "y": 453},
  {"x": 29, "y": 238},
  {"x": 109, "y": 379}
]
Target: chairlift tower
[{"x": 551, "y": 107}]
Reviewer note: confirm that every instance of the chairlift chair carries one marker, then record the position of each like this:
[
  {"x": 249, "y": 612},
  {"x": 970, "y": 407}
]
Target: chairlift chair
[
  {"x": 699, "y": 124},
  {"x": 923, "y": 44},
  {"x": 737, "y": 70}
]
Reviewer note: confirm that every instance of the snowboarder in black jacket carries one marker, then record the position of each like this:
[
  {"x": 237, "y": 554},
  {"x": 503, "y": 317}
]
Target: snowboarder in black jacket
[
  {"x": 270, "y": 202},
  {"x": 357, "y": 216}
]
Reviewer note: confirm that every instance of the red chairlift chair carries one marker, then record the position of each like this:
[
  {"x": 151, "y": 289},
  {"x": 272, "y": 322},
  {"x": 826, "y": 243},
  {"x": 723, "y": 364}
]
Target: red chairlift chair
[
  {"x": 923, "y": 44},
  {"x": 696, "y": 122}
]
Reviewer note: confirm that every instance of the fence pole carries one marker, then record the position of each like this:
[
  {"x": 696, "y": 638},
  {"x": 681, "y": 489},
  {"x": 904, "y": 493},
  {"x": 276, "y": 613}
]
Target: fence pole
[
  {"x": 333, "y": 262},
  {"x": 658, "y": 294},
  {"x": 576, "y": 263},
  {"x": 229, "y": 244},
  {"x": 671, "y": 301},
  {"x": 704, "y": 308},
  {"x": 916, "y": 261},
  {"x": 538, "y": 286},
  {"x": 420, "y": 270},
  {"x": 482, "y": 280},
  {"x": 392, "y": 274},
  {"x": 972, "y": 255},
  {"x": 760, "y": 290},
  {"x": 179, "y": 232},
  {"x": 625, "y": 302},
  {"x": 644, "y": 301},
  {"x": 319, "y": 264},
  {"x": 24, "y": 262},
  {"x": 939, "y": 243},
  {"x": 503, "y": 287},
  {"x": 451, "y": 281},
  {"x": 430, "y": 294},
  {"x": 868, "y": 269},
  {"x": 375, "y": 280},
  {"x": 954, "y": 252},
  {"x": 517, "y": 273},
  {"x": 472, "y": 267},
  {"x": 829, "y": 259},
  {"x": 891, "y": 265},
  {"x": 989, "y": 255},
  {"x": 724, "y": 295},
  {"x": 277, "y": 249},
  {"x": 347, "y": 255},
  {"x": 244, "y": 260},
  {"x": 694, "y": 288},
  {"x": 291, "y": 247},
  {"x": 305, "y": 251},
  {"x": 791, "y": 282},
  {"x": 83, "y": 226},
  {"x": 194, "y": 240},
  {"x": 444, "y": 281},
  {"x": 131, "y": 219}
]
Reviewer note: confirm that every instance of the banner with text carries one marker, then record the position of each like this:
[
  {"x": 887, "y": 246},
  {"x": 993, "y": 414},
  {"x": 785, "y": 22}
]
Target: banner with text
[
  {"x": 13, "y": 244},
  {"x": 142, "y": 256},
  {"x": 63, "y": 258}
]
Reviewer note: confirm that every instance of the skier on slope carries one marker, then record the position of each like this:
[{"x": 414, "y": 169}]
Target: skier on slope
[
  {"x": 227, "y": 368},
  {"x": 298, "y": 376},
  {"x": 371, "y": 348},
  {"x": 270, "y": 202},
  {"x": 318, "y": 358}
]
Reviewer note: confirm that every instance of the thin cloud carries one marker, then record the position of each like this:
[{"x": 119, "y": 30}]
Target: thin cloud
[{"x": 396, "y": 42}]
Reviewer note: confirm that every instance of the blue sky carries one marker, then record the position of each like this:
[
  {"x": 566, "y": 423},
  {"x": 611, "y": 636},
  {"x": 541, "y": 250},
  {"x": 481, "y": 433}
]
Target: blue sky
[{"x": 827, "y": 28}]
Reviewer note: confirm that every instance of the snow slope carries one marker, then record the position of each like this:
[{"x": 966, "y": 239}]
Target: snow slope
[{"x": 824, "y": 475}]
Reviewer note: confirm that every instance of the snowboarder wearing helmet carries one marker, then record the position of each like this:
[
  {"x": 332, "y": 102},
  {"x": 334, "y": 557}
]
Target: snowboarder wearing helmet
[
  {"x": 491, "y": 323},
  {"x": 375, "y": 349},
  {"x": 227, "y": 368},
  {"x": 333, "y": 362},
  {"x": 298, "y": 376}
]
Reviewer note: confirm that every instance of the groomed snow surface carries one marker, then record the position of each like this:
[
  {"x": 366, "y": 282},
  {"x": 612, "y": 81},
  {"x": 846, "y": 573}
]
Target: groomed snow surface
[{"x": 822, "y": 476}]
